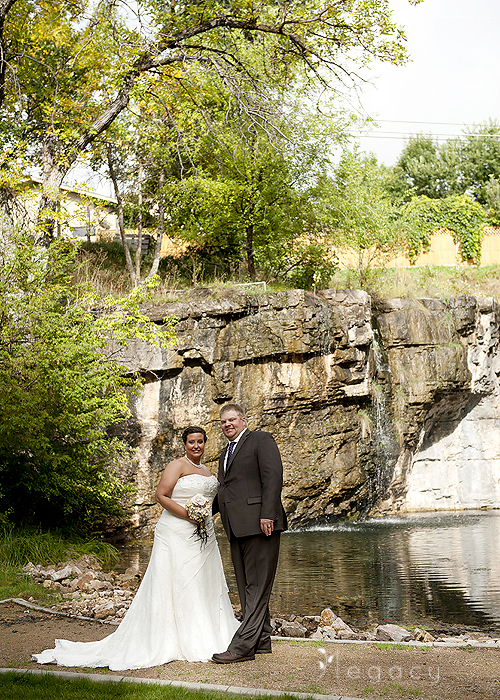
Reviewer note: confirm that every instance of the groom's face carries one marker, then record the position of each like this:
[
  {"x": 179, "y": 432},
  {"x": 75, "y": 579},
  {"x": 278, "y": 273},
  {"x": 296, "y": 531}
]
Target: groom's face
[{"x": 232, "y": 424}]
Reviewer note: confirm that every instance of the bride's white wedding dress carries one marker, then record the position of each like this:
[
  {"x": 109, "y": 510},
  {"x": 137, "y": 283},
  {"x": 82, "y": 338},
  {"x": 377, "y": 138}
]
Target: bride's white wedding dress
[{"x": 181, "y": 610}]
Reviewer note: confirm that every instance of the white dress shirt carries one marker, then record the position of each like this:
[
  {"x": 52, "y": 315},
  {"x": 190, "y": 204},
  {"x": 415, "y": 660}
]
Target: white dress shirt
[{"x": 235, "y": 442}]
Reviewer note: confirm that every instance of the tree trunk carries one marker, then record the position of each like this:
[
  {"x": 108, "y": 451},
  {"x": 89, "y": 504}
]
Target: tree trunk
[
  {"x": 121, "y": 225},
  {"x": 138, "y": 252},
  {"x": 5, "y": 7},
  {"x": 161, "y": 226},
  {"x": 52, "y": 177}
]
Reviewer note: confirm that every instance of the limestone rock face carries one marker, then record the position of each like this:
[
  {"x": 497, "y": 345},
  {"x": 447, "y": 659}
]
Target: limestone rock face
[
  {"x": 300, "y": 365},
  {"x": 360, "y": 400},
  {"x": 444, "y": 395}
]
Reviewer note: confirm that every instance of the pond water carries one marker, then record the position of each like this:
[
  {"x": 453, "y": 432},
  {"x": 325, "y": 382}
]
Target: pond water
[{"x": 438, "y": 569}]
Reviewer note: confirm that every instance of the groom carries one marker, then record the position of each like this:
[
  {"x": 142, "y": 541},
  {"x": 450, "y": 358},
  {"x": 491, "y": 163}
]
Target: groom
[{"x": 249, "y": 501}]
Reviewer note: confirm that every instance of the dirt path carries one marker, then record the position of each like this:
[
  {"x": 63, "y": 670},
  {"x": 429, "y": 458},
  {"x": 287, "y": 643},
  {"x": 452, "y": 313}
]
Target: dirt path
[{"x": 362, "y": 671}]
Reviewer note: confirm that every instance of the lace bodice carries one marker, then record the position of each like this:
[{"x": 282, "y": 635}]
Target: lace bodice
[{"x": 192, "y": 484}]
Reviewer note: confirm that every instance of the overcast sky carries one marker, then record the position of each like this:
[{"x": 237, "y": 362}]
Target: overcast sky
[{"x": 452, "y": 80}]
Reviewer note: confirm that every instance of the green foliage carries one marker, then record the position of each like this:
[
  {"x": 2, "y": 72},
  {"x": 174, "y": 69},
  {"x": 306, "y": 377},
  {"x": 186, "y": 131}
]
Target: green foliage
[
  {"x": 491, "y": 193},
  {"x": 480, "y": 159},
  {"x": 466, "y": 165},
  {"x": 60, "y": 388},
  {"x": 424, "y": 168},
  {"x": 247, "y": 202},
  {"x": 73, "y": 68},
  {"x": 359, "y": 212},
  {"x": 14, "y": 584},
  {"x": 18, "y": 546},
  {"x": 458, "y": 213},
  {"x": 303, "y": 263}
]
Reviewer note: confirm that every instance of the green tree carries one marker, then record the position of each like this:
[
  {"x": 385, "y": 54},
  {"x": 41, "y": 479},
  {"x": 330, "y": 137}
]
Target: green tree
[
  {"x": 61, "y": 388},
  {"x": 72, "y": 68},
  {"x": 480, "y": 159},
  {"x": 467, "y": 165},
  {"x": 425, "y": 168},
  {"x": 359, "y": 212},
  {"x": 247, "y": 200}
]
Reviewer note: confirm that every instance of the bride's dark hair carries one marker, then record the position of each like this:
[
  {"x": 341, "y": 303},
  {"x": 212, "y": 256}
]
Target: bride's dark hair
[{"x": 193, "y": 429}]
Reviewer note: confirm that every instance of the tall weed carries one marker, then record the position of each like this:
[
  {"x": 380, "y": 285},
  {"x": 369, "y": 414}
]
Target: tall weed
[{"x": 19, "y": 546}]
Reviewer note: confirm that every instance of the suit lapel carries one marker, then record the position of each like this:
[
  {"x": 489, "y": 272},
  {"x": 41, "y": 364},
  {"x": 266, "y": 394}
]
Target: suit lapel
[
  {"x": 235, "y": 451},
  {"x": 221, "y": 464}
]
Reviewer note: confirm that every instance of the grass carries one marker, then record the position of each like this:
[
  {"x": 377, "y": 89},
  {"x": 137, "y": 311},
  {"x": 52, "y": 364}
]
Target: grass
[
  {"x": 19, "y": 546},
  {"x": 297, "y": 643},
  {"x": 103, "y": 266},
  {"x": 425, "y": 282},
  {"x": 16, "y": 686},
  {"x": 391, "y": 646},
  {"x": 14, "y": 584}
]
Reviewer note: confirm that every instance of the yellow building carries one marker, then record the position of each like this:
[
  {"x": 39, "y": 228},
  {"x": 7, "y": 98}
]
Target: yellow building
[
  {"x": 442, "y": 251},
  {"x": 82, "y": 214}
]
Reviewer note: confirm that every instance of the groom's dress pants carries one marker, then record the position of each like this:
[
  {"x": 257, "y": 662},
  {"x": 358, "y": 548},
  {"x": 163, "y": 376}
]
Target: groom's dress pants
[{"x": 255, "y": 559}]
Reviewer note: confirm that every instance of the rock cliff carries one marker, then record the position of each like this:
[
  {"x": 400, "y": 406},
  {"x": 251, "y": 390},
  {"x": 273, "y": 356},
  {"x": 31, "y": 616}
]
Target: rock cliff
[
  {"x": 361, "y": 398},
  {"x": 445, "y": 403}
]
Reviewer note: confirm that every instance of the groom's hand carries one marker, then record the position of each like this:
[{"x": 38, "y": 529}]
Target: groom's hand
[{"x": 267, "y": 527}]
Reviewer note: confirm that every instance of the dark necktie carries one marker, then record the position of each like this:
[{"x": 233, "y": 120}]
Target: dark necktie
[{"x": 232, "y": 445}]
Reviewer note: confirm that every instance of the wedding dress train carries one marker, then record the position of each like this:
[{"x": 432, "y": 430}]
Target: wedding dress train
[{"x": 181, "y": 610}]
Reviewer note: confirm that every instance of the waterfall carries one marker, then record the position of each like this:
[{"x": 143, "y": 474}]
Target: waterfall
[{"x": 384, "y": 447}]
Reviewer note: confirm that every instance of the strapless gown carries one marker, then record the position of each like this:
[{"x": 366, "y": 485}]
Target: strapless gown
[{"x": 181, "y": 610}]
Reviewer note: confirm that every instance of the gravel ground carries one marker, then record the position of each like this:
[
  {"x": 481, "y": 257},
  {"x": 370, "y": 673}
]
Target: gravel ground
[{"x": 363, "y": 671}]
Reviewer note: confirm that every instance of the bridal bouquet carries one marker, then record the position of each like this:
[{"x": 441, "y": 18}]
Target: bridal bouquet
[{"x": 198, "y": 508}]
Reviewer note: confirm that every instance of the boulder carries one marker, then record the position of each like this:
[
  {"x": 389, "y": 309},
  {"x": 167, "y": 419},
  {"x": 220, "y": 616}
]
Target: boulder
[
  {"x": 105, "y": 610},
  {"x": 327, "y": 617},
  {"x": 311, "y": 622},
  {"x": 422, "y": 635},
  {"x": 350, "y": 634},
  {"x": 51, "y": 585},
  {"x": 85, "y": 579},
  {"x": 97, "y": 585},
  {"x": 392, "y": 633},
  {"x": 331, "y": 621},
  {"x": 61, "y": 574},
  {"x": 328, "y": 633},
  {"x": 293, "y": 629},
  {"x": 317, "y": 636}
]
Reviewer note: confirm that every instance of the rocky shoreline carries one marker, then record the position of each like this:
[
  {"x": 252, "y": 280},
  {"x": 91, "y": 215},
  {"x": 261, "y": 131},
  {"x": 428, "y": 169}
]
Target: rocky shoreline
[{"x": 87, "y": 591}]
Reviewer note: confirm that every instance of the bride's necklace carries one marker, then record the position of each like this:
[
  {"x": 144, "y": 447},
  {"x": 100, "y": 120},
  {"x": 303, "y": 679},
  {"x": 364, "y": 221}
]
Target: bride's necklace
[{"x": 198, "y": 466}]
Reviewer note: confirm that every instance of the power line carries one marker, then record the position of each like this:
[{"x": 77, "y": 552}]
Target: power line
[
  {"x": 404, "y": 121},
  {"x": 437, "y": 137}
]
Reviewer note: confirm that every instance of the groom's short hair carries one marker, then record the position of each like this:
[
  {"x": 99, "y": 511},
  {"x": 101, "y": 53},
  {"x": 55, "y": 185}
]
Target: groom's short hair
[{"x": 232, "y": 407}]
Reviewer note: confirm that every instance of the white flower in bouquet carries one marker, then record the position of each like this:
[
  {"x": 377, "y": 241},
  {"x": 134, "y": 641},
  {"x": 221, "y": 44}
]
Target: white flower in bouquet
[{"x": 198, "y": 508}]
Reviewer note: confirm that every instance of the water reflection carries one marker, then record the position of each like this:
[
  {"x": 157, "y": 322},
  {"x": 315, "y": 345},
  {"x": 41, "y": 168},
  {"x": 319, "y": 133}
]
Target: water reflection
[{"x": 438, "y": 569}]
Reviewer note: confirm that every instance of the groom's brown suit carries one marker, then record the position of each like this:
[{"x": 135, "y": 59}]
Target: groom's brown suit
[{"x": 250, "y": 490}]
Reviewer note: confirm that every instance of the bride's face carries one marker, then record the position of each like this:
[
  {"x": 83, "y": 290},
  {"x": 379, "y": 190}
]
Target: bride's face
[{"x": 195, "y": 446}]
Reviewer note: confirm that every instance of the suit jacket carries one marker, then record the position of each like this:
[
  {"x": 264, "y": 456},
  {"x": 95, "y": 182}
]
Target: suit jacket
[{"x": 250, "y": 489}]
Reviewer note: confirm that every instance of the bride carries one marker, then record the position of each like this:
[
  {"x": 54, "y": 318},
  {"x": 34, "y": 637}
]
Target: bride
[{"x": 181, "y": 610}]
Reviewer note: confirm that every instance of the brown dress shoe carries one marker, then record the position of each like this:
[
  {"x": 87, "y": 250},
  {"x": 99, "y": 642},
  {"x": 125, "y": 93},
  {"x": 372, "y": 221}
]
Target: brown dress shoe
[{"x": 227, "y": 657}]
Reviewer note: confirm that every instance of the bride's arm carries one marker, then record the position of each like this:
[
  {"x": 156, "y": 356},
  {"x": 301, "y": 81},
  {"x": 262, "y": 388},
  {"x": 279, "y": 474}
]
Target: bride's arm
[{"x": 163, "y": 494}]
